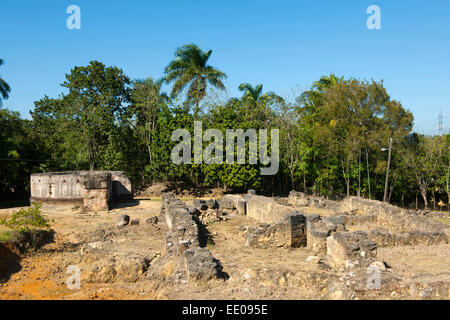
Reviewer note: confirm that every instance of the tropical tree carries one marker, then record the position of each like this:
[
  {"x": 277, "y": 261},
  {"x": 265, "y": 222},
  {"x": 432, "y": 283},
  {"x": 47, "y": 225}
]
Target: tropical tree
[
  {"x": 4, "y": 87},
  {"x": 146, "y": 101},
  {"x": 256, "y": 93},
  {"x": 423, "y": 158},
  {"x": 259, "y": 106},
  {"x": 85, "y": 117},
  {"x": 326, "y": 82},
  {"x": 190, "y": 69}
]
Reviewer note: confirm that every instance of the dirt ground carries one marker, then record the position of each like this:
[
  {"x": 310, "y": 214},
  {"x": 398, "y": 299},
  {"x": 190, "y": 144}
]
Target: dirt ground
[{"x": 274, "y": 273}]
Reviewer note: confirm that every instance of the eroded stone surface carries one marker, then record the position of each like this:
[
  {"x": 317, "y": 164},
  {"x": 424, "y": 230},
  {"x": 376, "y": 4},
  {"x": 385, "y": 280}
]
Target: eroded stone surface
[
  {"x": 182, "y": 239},
  {"x": 349, "y": 249},
  {"x": 288, "y": 233},
  {"x": 267, "y": 210}
]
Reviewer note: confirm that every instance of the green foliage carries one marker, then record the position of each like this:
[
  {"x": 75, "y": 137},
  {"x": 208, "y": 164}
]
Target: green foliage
[
  {"x": 190, "y": 70},
  {"x": 331, "y": 135},
  {"x": 27, "y": 220},
  {"x": 4, "y": 87},
  {"x": 5, "y": 235}
]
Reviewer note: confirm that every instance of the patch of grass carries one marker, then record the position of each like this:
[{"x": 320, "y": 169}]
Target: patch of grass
[
  {"x": 210, "y": 243},
  {"x": 5, "y": 235}
]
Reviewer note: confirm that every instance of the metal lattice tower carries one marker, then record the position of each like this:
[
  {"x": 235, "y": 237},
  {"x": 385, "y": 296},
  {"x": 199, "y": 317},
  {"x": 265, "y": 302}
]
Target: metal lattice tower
[{"x": 440, "y": 128}]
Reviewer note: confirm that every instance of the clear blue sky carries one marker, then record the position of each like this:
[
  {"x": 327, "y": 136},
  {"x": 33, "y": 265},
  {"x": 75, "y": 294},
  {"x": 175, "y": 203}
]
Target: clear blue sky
[{"x": 281, "y": 44}]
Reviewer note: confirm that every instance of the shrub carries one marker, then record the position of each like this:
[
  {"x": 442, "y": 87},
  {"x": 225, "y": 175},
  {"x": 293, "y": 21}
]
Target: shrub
[{"x": 28, "y": 224}]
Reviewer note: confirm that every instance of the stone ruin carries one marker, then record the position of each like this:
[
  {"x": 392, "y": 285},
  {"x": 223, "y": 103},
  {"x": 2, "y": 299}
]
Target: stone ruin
[
  {"x": 341, "y": 245},
  {"x": 93, "y": 190},
  {"x": 277, "y": 223},
  {"x": 182, "y": 239},
  {"x": 283, "y": 223},
  {"x": 300, "y": 199}
]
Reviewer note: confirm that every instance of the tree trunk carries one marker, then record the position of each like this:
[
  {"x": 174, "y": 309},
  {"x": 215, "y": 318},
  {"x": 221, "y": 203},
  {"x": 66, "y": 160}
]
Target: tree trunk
[
  {"x": 359, "y": 173},
  {"x": 304, "y": 182},
  {"x": 417, "y": 202},
  {"x": 434, "y": 200},
  {"x": 149, "y": 152},
  {"x": 447, "y": 178},
  {"x": 423, "y": 192},
  {"x": 368, "y": 172},
  {"x": 292, "y": 180}
]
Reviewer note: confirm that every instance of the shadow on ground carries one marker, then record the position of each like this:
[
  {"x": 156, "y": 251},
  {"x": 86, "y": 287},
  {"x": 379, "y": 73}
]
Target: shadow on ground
[
  {"x": 9, "y": 260},
  {"x": 128, "y": 204}
]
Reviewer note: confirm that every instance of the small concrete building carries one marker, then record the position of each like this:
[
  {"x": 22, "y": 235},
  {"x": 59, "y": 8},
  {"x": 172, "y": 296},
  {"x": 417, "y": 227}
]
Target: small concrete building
[{"x": 94, "y": 190}]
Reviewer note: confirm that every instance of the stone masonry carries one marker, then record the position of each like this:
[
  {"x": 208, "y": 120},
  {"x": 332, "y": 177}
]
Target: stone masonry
[
  {"x": 351, "y": 249},
  {"x": 97, "y": 192},
  {"x": 290, "y": 232},
  {"x": 267, "y": 210},
  {"x": 182, "y": 240},
  {"x": 94, "y": 190}
]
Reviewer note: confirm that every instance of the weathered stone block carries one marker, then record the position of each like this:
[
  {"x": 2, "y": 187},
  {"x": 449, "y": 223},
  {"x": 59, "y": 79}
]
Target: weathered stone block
[
  {"x": 350, "y": 248},
  {"x": 97, "y": 192},
  {"x": 123, "y": 221},
  {"x": 241, "y": 207},
  {"x": 211, "y": 203},
  {"x": 409, "y": 238},
  {"x": 352, "y": 204},
  {"x": 317, "y": 241},
  {"x": 200, "y": 204},
  {"x": 300, "y": 199},
  {"x": 200, "y": 265},
  {"x": 288, "y": 233},
  {"x": 267, "y": 210},
  {"x": 226, "y": 204}
]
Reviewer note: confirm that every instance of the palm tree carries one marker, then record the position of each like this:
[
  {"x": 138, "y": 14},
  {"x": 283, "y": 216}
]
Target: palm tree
[
  {"x": 256, "y": 95},
  {"x": 257, "y": 103},
  {"x": 4, "y": 87},
  {"x": 190, "y": 69},
  {"x": 327, "y": 82}
]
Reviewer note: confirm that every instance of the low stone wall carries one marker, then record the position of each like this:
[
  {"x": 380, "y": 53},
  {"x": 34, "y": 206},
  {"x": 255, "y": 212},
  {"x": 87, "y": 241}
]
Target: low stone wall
[
  {"x": 402, "y": 222},
  {"x": 234, "y": 202},
  {"x": 267, "y": 210},
  {"x": 355, "y": 219},
  {"x": 410, "y": 238},
  {"x": 290, "y": 232},
  {"x": 353, "y": 204},
  {"x": 318, "y": 230},
  {"x": 386, "y": 215},
  {"x": 351, "y": 249},
  {"x": 182, "y": 239},
  {"x": 300, "y": 199}
]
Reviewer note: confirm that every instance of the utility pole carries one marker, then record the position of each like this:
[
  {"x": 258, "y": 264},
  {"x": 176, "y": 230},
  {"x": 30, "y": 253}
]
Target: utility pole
[{"x": 387, "y": 171}]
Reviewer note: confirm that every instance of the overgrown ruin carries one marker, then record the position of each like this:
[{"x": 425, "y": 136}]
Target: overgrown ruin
[{"x": 253, "y": 246}]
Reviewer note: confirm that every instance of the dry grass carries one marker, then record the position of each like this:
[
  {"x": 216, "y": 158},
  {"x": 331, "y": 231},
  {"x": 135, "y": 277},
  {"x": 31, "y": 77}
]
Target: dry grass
[{"x": 443, "y": 220}]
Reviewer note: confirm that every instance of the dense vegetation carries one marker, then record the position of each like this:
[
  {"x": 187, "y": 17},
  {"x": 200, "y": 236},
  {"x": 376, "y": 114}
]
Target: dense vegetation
[{"x": 331, "y": 136}]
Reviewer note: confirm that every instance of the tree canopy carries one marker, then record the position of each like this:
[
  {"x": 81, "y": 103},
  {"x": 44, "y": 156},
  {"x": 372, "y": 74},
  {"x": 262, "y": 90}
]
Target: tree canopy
[{"x": 331, "y": 135}]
